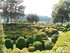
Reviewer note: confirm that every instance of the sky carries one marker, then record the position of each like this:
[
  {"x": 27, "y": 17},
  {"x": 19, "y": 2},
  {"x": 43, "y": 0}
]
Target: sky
[{"x": 39, "y": 7}]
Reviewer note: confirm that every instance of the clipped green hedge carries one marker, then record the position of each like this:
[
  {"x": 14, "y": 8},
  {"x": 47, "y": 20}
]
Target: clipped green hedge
[
  {"x": 48, "y": 45},
  {"x": 9, "y": 43},
  {"x": 43, "y": 34},
  {"x": 29, "y": 41},
  {"x": 37, "y": 45},
  {"x": 54, "y": 38},
  {"x": 20, "y": 43},
  {"x": 31, "y": 49},
  {"x": 63, "y": 43},
  {"x": 38, "y": 38}
]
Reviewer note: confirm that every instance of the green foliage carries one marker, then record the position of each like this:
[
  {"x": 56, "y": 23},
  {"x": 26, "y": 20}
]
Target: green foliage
[
  {"x": 37, "y": 45},
  {"x": 48, "y": 45},
  {"x": 54, "y": 38},
  {"x": 20, "y": 43},
  {"x": 1, "y": 39},
  {"x": 30, "y": 40},
  {"x": 16, "y": 50},
  {"x": 31, "y": 49},
  {"x": 60, "y": 13},
  {"x": 25, "y": 34},
  {"x": 51, "y": 31},
  {"x": 43, "y": 34},
  {"x": 63, "y": 42},
  {"x": 32, "y": 18},
  {"x": 65, "y": 30},
  {"x": 38, "y": 38},
  {"x": 9, "y": 43}
]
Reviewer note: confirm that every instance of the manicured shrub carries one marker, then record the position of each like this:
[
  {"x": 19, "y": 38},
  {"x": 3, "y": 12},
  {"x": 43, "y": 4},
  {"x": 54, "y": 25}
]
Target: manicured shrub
[
  {"x": 9, "y": 43},
  {"x": 25, "y": 34},
  {"x": 37, "y": 45},
  {"x": 63, "y": 43},
  {"x": 30, "y": 40},
  {"x": 51, "y": 31},
  {"x": 43, "y": 34},
  {"x": 65, "y": 30},
  {"x": 54, "y": 38},
  {"x": 30, "y": 45},
  {"x": 31, "y": 49},
  {"x": 20, "y": 43},
  {"x": 25, "y": 50},
  {"x": 48, "y": 45},
  {"x": 38, "y": 38},
  {"x": 16, "y": 50}
]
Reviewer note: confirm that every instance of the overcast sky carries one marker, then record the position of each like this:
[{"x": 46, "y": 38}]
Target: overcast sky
[{"x": 39, "y": 7}]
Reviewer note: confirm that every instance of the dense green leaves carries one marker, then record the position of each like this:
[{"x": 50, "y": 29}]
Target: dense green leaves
[
  {"x": 32, "y": 18},
  {"x": 54, "y": 38},
  {"x": 38, "y": 38},
  {"x": 9, "y": 43},
  {"x": 37, "y": 45},
  {"x": 59, "y": 13},
  {"x": 20, "y": 43},
  {"x": 63, "y": 42}
]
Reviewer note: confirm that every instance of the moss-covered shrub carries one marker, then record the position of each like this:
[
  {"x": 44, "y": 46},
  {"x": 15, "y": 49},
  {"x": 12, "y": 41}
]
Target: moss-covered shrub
[
  {"x": 31, "y": 49},
  {"x": 48, "y": 45},
  {"x": 54, "y": 38},
  {"x": 9, "y": 43},
  {"x": 37, "y": 45},
  {"x": 38, "y": 38},
  {"x": 20, "y": 43}
]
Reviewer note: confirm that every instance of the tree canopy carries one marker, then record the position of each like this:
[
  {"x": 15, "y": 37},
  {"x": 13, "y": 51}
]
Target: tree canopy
[
  {"x": 60, "y": 13},
  {"x": 12, "y": 8},
  {"x": 32, "y": 18}
]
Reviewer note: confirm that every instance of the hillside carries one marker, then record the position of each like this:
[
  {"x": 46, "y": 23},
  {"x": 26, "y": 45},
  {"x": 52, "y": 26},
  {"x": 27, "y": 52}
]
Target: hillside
[{"x": 45, "y": 19}]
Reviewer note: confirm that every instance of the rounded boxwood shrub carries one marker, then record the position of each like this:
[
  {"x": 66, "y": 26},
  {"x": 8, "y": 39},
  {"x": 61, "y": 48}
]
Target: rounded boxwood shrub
[
  {"x": 20, "y": 43},
  {"x": 54, "y": 38},
  {"x": 48, "y": 45},
  {"x": 31, "y": 49},
  {"x": 43, "y": 34},
  {"x": 30, "y": 45},
  {"x": 30, "y": 40},
  {"x": 37, "y": 45},
  {"x": 9, "y": 43},
  {"x": 38, "y": 38}
]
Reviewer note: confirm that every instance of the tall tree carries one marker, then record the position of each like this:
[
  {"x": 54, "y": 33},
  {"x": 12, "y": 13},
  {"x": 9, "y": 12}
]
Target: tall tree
[
  {"x": 59, "y": 13},
  {"x": 11, "y": 8},
  {"x": 32, "y": 18}
]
